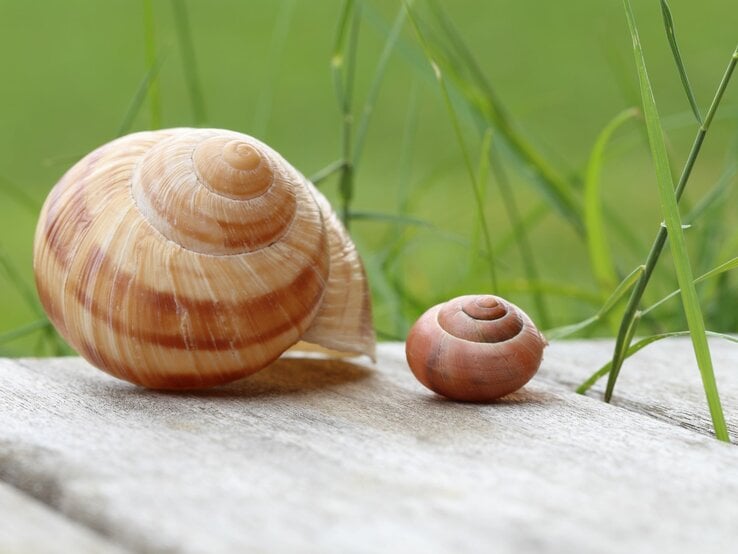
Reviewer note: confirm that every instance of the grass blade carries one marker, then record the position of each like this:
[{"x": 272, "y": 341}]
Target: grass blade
[
  {"x": 276, "y": 48},
  {"x": 404, "y": 175},
  {"x": 482, "y": 180},
  {"x": 631, "y": 309},
  {"x": 373, "y": 93},
  {"x": 604, "y": 370},
  {"x": 527, "y": 221},
  {"x": 24, "y": 330},
  {"x": 719, "y": 270},
  {"x": 671, "y": 35},
  {"x": 520, "y": 233},
  {"x": 323, "y": 174},
  {"x": 487, "y": 109},
  {"x": 134, "y": 107},
  {"x": 343, "y": 67},
  {"x": 150, "y": 48},
  {"x": 640, "y": 345},
  {"x": 619, "y": 67},
  {"x": 670, "y": 209},
  {"x": 28, "y": 294},
  {"x": 396, "y": 242},
  {"x": 186, "y": 44},
  {"x": 462, "y": 144},
  {"x": 619, "y": 292},
  {"x": 712, "y": 210},
  {"x": 714, "y": 196},
  {"x": 624, "y": 231},
  {"x": 600, "y": 254},
  {"x": 395, "y": 219},
  {"x": 551, "y": 288},
  {"x": 483, "y": 101},
  {"x": 622, "y": 288}
]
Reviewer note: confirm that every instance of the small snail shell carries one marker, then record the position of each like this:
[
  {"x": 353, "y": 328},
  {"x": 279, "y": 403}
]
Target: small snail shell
[
  {"x": 474, "y": 348},
  {"x": 185, "y": 258}
]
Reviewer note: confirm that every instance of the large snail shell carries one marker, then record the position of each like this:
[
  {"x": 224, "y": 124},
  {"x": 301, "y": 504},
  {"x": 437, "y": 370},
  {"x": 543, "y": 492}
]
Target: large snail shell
[
  {"x": 187, "y": 258},
  {"x": 474, "y": 348}
]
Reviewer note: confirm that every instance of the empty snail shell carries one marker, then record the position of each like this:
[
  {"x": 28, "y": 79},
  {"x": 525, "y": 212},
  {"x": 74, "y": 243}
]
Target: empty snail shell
[
  {"x": 186, "y": 258},
  {"x": 474, "y": 348}
]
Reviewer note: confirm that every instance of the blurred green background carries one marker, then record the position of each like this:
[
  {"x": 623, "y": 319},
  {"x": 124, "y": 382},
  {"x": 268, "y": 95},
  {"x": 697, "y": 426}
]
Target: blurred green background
[{"x": 71, "y": 69}]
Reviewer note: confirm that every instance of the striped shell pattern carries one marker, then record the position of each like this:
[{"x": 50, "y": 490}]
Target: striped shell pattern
[
  {"x": 187, "y": 258},
  {"x": 474, "y": 348}
]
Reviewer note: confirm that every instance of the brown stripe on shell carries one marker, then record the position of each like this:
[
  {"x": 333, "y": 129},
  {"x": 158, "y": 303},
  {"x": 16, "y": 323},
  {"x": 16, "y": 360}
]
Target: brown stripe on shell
[
  {"x": 66, "y": 216},
  {"x": 70, "y": 220},
  {"x": 51, "y": 307},
  {"x": 204, "y": 314},
  {"x": 181, "y": 380}
]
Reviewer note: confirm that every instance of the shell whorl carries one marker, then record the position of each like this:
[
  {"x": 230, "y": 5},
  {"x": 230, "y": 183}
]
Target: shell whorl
[
  {"x": 474, "y": 348},
  {"x": 190, "y": 257},
  {"x": 480, "y": 319},
  {"x": 215, "y": 194}
]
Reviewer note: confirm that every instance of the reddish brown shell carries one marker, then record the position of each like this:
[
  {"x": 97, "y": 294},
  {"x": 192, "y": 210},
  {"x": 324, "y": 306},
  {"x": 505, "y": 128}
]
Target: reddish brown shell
[
  {"x": 474, "y": 348},
  {"x": 186, "y": 258}
]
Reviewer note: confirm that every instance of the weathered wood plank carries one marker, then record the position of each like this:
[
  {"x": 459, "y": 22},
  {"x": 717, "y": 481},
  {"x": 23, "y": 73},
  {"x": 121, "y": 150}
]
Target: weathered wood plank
[
  {"x": 29, "y": 527},
  {"x": 662, "y": 380},
  {"x": 330, "y": 456}
]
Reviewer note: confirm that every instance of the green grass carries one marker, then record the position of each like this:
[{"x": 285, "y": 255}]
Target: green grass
[
  {"x": 189, "y": 61},
  {"x": 275, "y": 56},
  {"x": 682, "y": 265},
  {"x": 673, "y": 225},
  {"x": 600, "y": 253},
  {"x": 671, "y": 35},
  {"x": 475, "y": 185},
  {"x": 151, "y": 57},
  {"x": 469, "y": 146}
]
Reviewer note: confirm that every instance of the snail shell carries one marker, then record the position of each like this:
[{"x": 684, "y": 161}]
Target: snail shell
[
  {"x": 474, "y": 348},
  {"x": 186, "y": 258}
]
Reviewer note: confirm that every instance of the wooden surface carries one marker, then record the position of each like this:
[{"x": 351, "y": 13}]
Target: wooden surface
[
  {"x": 318, "y": 455},
  {"x": 27, "y": 525}
]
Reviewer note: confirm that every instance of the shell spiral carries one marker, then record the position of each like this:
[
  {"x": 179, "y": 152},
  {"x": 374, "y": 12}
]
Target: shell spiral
[
  {"x": 186, "y": 258},
  {"x": 474, "y": 348}
]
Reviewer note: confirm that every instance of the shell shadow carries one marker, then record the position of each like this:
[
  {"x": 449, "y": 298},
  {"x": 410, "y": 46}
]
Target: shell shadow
[{"x": 286, "y": 376}]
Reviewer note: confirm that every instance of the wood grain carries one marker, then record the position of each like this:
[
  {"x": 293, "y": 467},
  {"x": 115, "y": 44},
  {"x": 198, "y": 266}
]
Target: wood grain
[
  {"x": 318, "y": 455},
  {"x": 29, "y": 527},
  {"x": 662, "y": 380}
]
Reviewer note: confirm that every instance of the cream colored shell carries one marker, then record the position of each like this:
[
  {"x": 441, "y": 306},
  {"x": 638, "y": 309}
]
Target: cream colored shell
[{"x": 187, "y": 258}]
